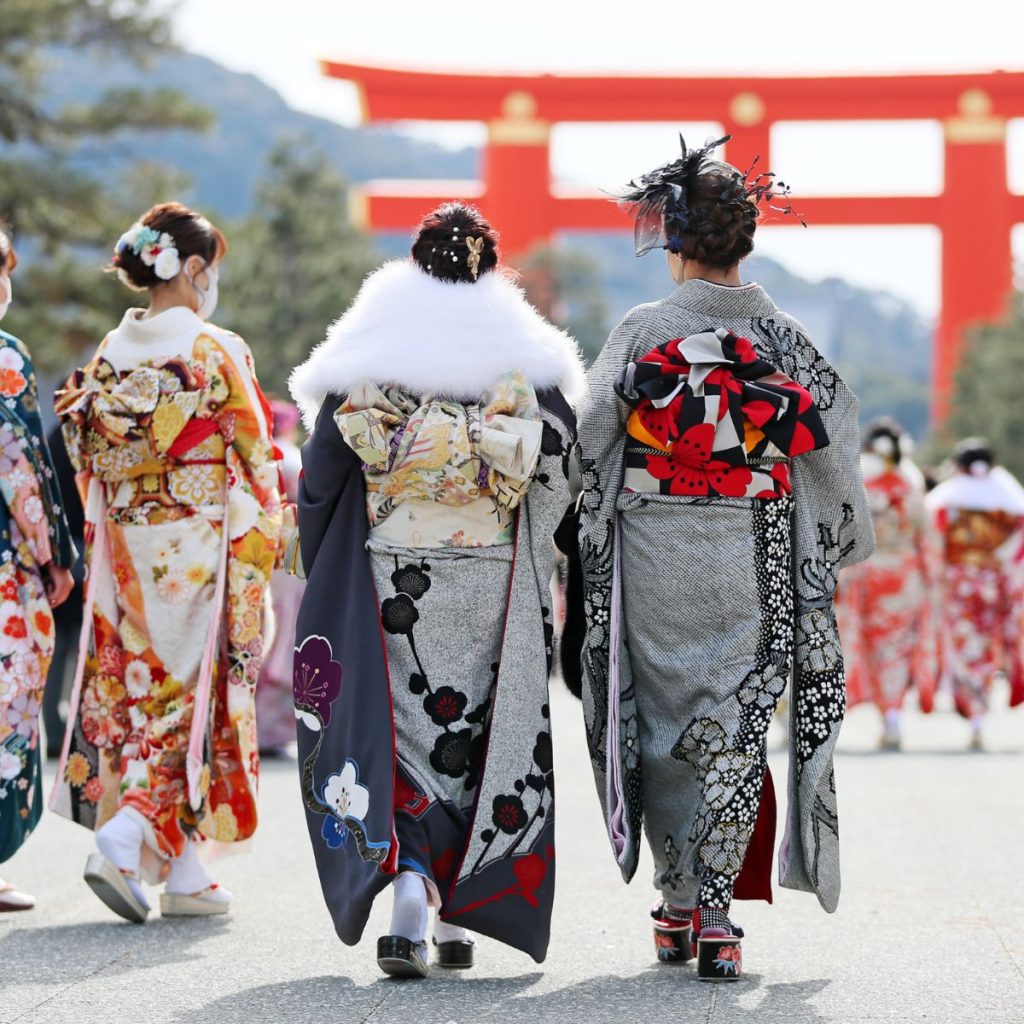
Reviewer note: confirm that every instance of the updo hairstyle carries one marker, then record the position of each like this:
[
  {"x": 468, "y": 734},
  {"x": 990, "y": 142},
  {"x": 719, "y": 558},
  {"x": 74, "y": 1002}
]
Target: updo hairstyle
[
  {"x": 193, "y": 235},
  {"x": 440, "y": 247},
  {"x": 881, "y": 430},
  {"x": 971, "y": 450},
  {"x": 720, "y": 230}
]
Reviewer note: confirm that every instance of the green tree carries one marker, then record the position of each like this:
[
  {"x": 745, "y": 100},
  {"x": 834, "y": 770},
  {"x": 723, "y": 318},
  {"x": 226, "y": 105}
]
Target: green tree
[
  {"x": 295, "y": 263},
  {"x": 987, "y": 398},
  {"x": 565, "y": 285},
  {"x": 64, "y": 220}
]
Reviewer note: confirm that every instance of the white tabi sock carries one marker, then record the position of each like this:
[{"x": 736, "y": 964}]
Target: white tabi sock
[
  {"x": 409, "y": 916},
  {"x": 120, "y": 841},
  {"x": 188, "y": 877},
  {"x": 893, "y": 720},
  {"x": 445, "y": 932}
]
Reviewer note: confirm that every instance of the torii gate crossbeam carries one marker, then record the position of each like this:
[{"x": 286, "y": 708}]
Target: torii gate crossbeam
[{"x": 975, "y": 212}]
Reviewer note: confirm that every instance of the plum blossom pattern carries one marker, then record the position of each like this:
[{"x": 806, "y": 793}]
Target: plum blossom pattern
[
  {"x": 347, "y": 801},
  {"x": 515, "y": 814},
  {"x": 316, "y": 682}
]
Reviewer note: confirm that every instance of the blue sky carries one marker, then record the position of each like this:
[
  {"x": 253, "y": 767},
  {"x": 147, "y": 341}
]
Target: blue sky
[{"x": 281, "y": 43}]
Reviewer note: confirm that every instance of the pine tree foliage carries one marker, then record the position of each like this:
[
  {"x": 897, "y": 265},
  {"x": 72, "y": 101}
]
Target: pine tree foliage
[
  {"x": 294, "y": 263},
  {"x": 63, "y": 219},
  {"x": 987, "y": 397}
]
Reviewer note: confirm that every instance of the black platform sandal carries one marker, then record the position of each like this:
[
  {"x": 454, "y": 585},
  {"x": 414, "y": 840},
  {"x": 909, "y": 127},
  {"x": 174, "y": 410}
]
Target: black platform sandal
[
  {"x": 715, "y": 942},
  {"x": 401, "y": 957},
  {"x": 455, "y": 955},
  {"x": 672, "y": 933}
]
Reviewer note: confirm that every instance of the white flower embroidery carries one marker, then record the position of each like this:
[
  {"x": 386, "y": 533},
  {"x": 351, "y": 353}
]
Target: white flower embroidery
[
  {"x": 34, "y": 511},
  {"x": 173, "y": 587},
  {"x": 10, "y": 765},
  {"x": 137, "y": 677},
  {"x": 345, "y": 796},
  {"x": 11, "y": 359}
]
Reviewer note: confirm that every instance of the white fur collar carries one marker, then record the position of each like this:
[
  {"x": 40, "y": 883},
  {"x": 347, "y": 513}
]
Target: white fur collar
[{"x": 410, "y": 329}]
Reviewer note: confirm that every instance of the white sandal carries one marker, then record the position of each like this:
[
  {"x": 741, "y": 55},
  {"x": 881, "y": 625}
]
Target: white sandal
[
  {"x": 12, "y": 899},
  {"x": 205, "y": 903},
  {"x": 110, "y": 883}
]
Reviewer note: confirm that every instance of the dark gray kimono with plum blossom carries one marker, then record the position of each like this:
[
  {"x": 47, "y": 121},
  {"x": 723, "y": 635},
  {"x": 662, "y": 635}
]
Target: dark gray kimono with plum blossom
[{"x": 412, "y": 757}]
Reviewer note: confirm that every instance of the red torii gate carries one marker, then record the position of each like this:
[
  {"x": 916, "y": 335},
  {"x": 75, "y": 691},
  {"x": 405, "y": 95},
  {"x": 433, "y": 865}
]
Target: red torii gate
[{"x": 975, "y": 212}]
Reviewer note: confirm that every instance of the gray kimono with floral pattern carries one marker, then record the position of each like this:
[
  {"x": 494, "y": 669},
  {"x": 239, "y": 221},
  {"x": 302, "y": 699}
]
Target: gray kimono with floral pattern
[{"x": 822, "y": 526}]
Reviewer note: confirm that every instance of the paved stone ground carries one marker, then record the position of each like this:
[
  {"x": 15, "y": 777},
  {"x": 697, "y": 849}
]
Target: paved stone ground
[{"x": 928, "y": 927}]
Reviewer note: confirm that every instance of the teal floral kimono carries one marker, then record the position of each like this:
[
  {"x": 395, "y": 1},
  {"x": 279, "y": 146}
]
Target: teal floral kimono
[{"x": 33, "y": 534}]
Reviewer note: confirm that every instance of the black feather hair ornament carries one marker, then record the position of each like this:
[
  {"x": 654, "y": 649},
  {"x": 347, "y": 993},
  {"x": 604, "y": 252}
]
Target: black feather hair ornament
[{"x": 660, "y": 199}]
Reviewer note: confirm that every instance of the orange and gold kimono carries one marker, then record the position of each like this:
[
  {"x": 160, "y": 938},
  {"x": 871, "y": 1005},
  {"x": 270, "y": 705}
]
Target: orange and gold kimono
[{"x": 170, "y": 435}]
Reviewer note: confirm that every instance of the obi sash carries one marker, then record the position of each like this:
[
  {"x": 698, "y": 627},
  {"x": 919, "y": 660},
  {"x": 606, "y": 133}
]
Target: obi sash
[
  {"x": 143, "y": 422},
  {"x": 434, "y": 449},
  {"x": 711, "y": 418}
]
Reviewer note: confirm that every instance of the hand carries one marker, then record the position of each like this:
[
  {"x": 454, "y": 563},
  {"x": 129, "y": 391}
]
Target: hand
[{"x": 59, "y": 583}]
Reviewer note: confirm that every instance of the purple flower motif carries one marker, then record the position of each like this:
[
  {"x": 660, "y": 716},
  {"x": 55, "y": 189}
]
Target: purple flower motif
[{"x": 316, "y": 681}]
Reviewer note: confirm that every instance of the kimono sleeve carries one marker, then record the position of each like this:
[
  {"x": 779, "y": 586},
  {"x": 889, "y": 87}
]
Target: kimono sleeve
[
  {"x": 246, "y": 423},
  {"x": 831, "y": 529},
  {"x": 38, "y": 507},
  {"x": 327, "y": 465},
  {"x": 601, "y": 416}
]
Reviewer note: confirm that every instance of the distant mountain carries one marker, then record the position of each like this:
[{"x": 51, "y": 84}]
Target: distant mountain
[
  {"x": 880, "y": 345},
  {"x": 878, "y": 342},
  {"x": 226, "y": 162}
]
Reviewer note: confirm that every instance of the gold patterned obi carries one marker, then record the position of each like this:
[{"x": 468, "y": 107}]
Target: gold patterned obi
[
  {"x": 149, "y": 434},
  {"x": 447, "y": 473}
]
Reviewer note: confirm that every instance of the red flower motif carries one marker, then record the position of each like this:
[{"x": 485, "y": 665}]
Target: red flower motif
[
  {"x": 15, "y": 627},
  {"x": 93, "y": 790},
  {"x": 731, "y": 481},
  {"x": 9, "y": 590},
  {"x": 745, "y": 352},
  {"x": 11, "y": 382},
  {"x": 691, "y": 471}
]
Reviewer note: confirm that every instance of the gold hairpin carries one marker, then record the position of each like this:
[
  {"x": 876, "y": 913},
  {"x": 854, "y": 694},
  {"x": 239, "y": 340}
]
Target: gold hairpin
[{"x": 476, "y": 248}]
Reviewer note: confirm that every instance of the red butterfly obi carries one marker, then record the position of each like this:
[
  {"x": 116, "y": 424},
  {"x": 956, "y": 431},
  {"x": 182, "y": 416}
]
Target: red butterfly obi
[{"x": 711, "y": 418}]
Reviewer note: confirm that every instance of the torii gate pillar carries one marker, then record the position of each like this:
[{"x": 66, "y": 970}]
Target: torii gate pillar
[{"x": 975, "y": 212}]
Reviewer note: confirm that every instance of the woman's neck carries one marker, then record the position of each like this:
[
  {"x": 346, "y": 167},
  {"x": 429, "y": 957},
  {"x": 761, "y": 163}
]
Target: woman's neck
[
  {"x": 163, "y": 299},
  {"x": 692, "y": 270}
]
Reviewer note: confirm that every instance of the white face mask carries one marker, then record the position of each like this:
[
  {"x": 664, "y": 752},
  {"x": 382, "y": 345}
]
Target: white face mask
[
  {"x": 7, "y": 291},
  {"x": 207, "y": 299}
]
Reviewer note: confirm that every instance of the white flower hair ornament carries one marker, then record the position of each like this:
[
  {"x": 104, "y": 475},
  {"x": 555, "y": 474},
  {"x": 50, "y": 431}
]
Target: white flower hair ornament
[{"x": 156, "y": 249}]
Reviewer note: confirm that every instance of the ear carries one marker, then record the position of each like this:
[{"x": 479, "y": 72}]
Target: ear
[{"x": 194, "y": 266}]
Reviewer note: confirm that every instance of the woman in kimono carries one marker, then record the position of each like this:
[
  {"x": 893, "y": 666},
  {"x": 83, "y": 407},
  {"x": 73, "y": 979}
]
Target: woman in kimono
[
  {"x": 884, "y": 605},
  {"x": 432, "y": 482},
  {"x": 275, "y": 712},
  {"x": 35, "y": 576},
  {"x": 170, "y": 436},
  {"x": 978, "y": 515},
  {"x": 721, "y": 496}
]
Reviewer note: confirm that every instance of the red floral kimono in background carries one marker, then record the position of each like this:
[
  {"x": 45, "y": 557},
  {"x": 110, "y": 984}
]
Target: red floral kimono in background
[
  {"x": 884, "y": 607},
  {"x": 980, "y": 526},
  {"x": 183, "y": 517}
]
